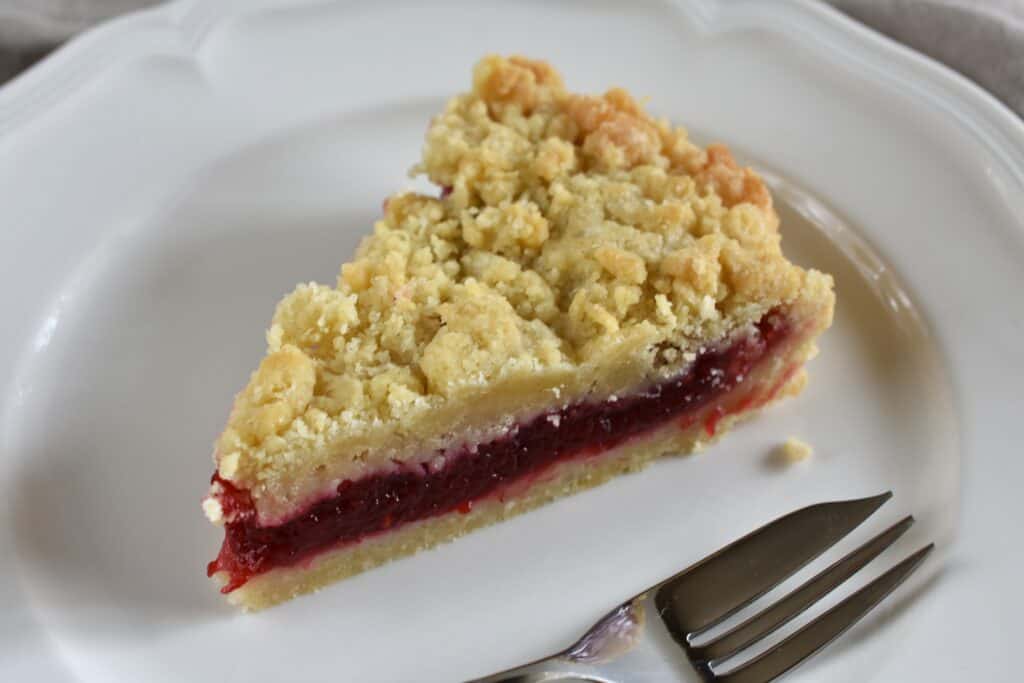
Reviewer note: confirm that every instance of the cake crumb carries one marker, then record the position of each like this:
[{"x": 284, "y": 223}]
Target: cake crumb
[
  {"x": 794, "y": 450},
  {"x": 214, "y": 511}
]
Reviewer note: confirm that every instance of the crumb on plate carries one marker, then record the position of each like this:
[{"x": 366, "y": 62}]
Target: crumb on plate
[{"x": 794, "y": 450}]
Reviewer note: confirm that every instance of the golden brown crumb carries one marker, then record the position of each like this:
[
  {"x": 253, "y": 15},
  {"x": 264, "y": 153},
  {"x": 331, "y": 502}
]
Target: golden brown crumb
[{"x": 579, "y": 234}]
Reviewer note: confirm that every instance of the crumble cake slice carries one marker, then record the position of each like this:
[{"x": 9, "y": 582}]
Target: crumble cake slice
[{"x": 589, "y": 290}]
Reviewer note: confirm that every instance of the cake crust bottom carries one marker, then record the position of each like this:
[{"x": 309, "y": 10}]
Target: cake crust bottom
[{"x": 284, "y": 583}]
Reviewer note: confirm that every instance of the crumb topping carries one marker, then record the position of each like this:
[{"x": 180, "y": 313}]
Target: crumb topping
[{"x": 575, "y": 230}]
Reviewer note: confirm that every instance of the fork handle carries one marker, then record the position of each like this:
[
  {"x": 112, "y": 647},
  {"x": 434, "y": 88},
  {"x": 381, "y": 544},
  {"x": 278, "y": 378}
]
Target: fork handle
[{"x": 544, "y": 671}]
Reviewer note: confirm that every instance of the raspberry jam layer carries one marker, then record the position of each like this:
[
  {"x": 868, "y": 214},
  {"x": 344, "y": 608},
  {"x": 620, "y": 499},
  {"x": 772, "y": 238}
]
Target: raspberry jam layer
[{"x": 376, "y": 503}]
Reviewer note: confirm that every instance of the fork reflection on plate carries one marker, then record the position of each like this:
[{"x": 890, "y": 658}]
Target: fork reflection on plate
[{"x": 655, "y": 635}]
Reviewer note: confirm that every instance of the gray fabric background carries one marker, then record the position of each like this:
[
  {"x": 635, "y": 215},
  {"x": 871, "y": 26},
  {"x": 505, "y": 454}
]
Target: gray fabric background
[{"x": 983, "y": 39}]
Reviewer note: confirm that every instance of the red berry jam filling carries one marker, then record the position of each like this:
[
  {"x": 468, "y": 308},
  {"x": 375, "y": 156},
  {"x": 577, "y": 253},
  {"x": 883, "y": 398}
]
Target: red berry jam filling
[{"x": 378, "y": 502}]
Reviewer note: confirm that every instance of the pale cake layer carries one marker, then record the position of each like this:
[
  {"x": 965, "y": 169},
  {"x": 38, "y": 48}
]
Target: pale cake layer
[
  {"x": 582, "y": 248},
  {"x": 778, "y": 376}
]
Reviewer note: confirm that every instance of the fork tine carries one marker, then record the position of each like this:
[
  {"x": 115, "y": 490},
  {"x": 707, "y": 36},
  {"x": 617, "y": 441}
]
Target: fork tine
[
  {"x": 826, "y": 628},
  {"x": 714, "y": 588},
  {"x": 777, "y": 615}
]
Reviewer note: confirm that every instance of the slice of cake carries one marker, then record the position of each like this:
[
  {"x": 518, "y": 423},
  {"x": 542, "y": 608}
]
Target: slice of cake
[{"x": 589, "y": 290}]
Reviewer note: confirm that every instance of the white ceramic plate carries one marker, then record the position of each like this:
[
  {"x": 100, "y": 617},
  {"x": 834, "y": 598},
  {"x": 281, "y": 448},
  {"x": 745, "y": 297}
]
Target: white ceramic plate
[{"x": 165, "y": 178}]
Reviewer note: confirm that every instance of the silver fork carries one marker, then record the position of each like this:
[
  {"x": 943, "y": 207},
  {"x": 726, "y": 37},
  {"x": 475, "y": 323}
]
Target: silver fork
[{"x": 652, "y": 636}]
